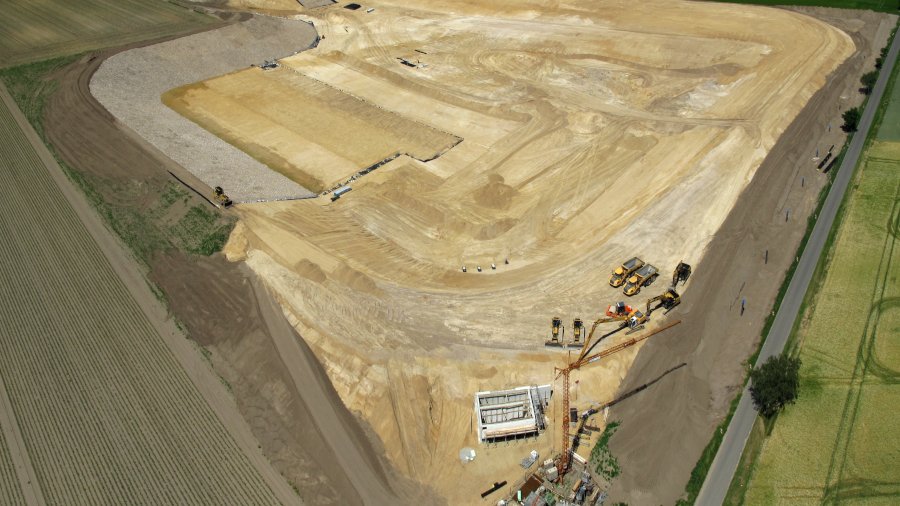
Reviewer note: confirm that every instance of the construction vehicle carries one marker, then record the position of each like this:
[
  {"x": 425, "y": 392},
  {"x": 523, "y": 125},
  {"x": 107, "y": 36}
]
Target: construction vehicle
[
  {"x": 618, "y": 309},
  {"x": 668, "y": 300},
  {"x": 582, "y": 360},
  {"x": 636, "y": 321},
  {"x": 641, "y": 277},
  {"x": 556, "y": 331},
  {"x": 577, "y": 330},
  {"x": 681, "y": 274},
  {"x": 623, "y": 271},
  {"x": 221, "y": 198}
]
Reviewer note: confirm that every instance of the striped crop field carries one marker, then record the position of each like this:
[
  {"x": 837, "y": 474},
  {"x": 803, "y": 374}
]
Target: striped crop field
[
  {"x": 105, "y": 412},
  {"x": 839, "y": 443},
  {"x": 10, "y": 493},
  {"x": 32, "y": 30}
]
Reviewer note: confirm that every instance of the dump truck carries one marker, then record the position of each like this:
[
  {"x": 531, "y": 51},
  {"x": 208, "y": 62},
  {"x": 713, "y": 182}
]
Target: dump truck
[
  {"x": 640, "y": 278},
  {"x": 621, "y": 273}
]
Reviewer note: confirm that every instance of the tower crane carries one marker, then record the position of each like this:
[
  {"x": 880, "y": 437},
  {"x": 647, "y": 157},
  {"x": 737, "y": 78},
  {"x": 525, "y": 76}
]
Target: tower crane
[{"x": 585, "y": 359}]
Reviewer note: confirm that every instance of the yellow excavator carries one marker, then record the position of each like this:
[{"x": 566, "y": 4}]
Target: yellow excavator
[
  {"x": 221, "y": 198},
  {"x": 668, "y": 300},
  {"x": 621, "y": 273},
  {"x": 637, "y": 318}
]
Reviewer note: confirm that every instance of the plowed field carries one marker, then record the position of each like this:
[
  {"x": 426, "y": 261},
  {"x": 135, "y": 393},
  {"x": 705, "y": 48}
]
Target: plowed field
[
  {"x": 34, "y": 30},
  {"x": 106, "y": 413},
  {"x": 10, "y": 493}
]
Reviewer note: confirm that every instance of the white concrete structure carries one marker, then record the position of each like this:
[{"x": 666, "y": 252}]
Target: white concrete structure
[{"x": 511, "y": 413}]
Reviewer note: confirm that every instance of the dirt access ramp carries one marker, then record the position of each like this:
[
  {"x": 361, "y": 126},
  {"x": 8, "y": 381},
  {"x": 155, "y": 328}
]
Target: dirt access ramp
[
  {"x": 664, "y": 430},
  {"x": 129, "y": 86}
]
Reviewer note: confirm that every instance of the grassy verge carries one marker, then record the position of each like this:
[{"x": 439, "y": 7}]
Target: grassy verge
[
  {"x": 875, "y": 5},
  {"x": 30, "y": 88},
  {"x": 148, "y": 220},
  {"x": 602, "y": 460}
]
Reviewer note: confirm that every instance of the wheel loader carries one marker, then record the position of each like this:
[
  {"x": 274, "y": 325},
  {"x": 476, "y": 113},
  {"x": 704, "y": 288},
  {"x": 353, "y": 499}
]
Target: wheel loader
[
  {"x": 221, "y": 198},
  {"x": 641, "y": 277},
  {"x": 621, "y": 273}
]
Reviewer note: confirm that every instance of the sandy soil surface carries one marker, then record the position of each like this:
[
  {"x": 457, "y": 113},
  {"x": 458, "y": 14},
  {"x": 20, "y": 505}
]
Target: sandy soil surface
[
  {"x": 716, "y": 339},
  {"x": 129, "y": 86},
  {"x": 301, "y": 127},
  {"x": 591, "y": 133}
]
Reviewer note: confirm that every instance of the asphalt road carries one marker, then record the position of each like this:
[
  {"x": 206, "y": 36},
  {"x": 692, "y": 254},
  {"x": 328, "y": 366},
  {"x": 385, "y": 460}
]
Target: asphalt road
[{"x": 724, "y": 465}]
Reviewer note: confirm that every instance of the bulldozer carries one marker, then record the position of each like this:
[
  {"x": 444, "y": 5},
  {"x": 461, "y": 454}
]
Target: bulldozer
[
  {"x": 621, "y": 273},
  {"x": 556, "y": 331},
  {"x": 681, "y": 274},
  {"x": 641, "y": 277},
  {"x": 221, "y": 198}
]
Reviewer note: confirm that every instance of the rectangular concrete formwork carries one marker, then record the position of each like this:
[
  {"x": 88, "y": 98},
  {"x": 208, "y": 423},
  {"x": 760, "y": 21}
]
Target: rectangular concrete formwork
[{"x": 504, "y": 414}]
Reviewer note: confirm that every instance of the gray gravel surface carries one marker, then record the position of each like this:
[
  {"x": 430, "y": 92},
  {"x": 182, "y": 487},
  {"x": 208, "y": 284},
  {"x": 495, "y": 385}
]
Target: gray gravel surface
[{"x": 130, "y": 84}]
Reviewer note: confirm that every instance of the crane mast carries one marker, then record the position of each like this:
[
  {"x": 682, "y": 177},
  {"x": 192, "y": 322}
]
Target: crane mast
[{"x": 584, "y": 359}]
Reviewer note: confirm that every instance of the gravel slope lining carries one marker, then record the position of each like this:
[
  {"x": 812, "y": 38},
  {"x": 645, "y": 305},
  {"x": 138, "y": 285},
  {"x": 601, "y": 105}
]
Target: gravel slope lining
[{"x": 129, "y": 85}]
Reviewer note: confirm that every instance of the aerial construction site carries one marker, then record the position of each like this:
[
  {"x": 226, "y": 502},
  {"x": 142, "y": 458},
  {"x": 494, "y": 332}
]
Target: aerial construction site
[{"x": 477, "y": 215}]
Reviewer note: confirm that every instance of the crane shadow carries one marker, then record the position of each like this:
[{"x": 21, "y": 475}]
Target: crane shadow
[{"x": 600, "y": 407}]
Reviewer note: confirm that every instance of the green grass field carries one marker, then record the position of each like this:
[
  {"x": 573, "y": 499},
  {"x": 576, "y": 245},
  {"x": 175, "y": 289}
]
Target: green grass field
[
  {"x": 32, "y": 30},
  {"x": 838, "y": 443},
  {"x": 875, "y": 5},
  {"x": 890, "y": 124}
]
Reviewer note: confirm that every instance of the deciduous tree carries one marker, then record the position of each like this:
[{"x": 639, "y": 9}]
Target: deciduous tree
[{"x": 775, "y": 384}]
